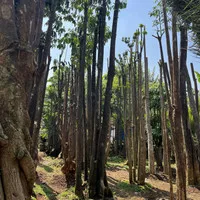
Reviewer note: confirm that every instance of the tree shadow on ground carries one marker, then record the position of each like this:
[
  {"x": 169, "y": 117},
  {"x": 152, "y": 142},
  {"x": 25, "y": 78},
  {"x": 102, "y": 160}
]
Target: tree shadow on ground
[
  {"x": 123, "y": 189},
  {"x": 42, "y": 189},
  {"x": 46, "y": 191},
  {"x": 47, "y": 168}
]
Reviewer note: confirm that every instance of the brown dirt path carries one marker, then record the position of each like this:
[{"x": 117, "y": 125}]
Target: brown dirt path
[
  {"x": 51, "y": 184},
  {"x": 157, "y": 190}
]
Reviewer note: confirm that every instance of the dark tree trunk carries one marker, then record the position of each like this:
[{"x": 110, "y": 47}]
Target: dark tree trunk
[
  {"x": 101, "y": 186},
  {"x": 195, "y": 87},
  {"x": 42, "y": 65},
  {"x": 177, "y": 133},
  {"x": 80, "y": 112},
  {"x": 96, "y": 109},
  {"x": 39, "y": 110}
]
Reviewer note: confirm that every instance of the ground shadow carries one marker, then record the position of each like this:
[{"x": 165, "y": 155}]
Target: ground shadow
[
  {"x": 123, "y": 189},
  {"x": 46, "y": 168},
  {"x": 48, "y": 191}
]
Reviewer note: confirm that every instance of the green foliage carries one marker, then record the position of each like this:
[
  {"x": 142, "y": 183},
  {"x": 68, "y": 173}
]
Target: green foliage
[
  {"x": 198, "y": 76},
  {"x": 126, "y": 186},
  {"x": 44, "y": 190},
  {"x": 68, "y": 194}
]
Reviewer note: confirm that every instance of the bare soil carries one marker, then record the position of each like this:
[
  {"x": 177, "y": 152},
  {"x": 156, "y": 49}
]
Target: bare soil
[{"x": 51, "y": 178}]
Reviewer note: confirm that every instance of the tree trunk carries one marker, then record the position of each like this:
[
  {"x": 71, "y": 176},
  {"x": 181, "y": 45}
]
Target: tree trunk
[
  {"x": 42, "y": 60},
  {"x": 80, "y": 117},
  {"x": 142, "y": 135},
  {"x": 96, "y": 109},
  {"x": 195, "y": 87},
  {"x": 18, "y": 43},
  {"x": 38, "y": 115},
  {"x": 177, "y": 133},
  {"x": 102, "y": 187},
  {"x": 147, "y": 112}
]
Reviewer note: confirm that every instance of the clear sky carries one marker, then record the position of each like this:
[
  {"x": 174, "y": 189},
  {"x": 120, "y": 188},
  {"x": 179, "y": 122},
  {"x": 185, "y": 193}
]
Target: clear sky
[{"x": 137, "y": 12}]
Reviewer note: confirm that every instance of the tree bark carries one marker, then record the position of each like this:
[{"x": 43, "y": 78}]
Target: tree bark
[
  {"x": 80, "y": 117},
  {"x": 42, "y": 65},
  {"x": 195, "y": 87},
  {"x": 97, "y": 104},
  {"x": 19, "y": 38},
  {"x": 177, "y": 133},
  {"x": 102, "y": 187},
  {"x": 147, "y": 111}
]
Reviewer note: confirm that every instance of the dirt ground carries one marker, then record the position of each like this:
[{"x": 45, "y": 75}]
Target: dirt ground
[
  {"x": 51, "y": 184},
  {"x": 158, "y": 189}
]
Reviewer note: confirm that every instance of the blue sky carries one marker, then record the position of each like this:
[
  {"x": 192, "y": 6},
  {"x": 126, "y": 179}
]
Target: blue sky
[{"x": 137, "y": 12}]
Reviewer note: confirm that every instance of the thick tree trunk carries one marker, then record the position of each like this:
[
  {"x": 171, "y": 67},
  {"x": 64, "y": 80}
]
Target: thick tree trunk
[{"x": 18, "y": 42}]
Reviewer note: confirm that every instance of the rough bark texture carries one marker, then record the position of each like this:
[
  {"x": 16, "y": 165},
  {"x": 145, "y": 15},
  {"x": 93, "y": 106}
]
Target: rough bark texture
[
  {"x": 177, "y": 133},
  {"x": 189, "y": 144},
  {"x": 80, "y": 116},
  {"x": 19, "y": 36}
]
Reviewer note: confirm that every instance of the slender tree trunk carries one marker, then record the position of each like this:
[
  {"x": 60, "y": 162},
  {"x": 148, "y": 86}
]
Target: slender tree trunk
[
  {"x": 80, "y": 117},
  {"x": 102, "y": 185},
  {"x": 135, "y": 113},
  {"x": 147, "y": 112},
  {"x": 177, "y": 133},
  {"x": 195, "y": 87},
  {"x": 89, "y": 112},
  {"x": 41, "y": 67},
  {"x": 65, "y": 127},
  {"x": 38, "y": 117},
  {"x": 193, "y": 109},
  {"x": 169, "y": 51},
  {"x": 142, "y": 135},
  {"x": 186, "y": 131},
  {"x": 96, "y": 109}
]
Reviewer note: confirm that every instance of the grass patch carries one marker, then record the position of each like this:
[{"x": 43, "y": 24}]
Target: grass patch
[
  {"x": 47, "y": 168},
  {"x": 116, "y": 161},
  {"x": 68, "y": 194},
  {"x": 124, "y": 185},
  {"x": 44, "y": 190}
]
